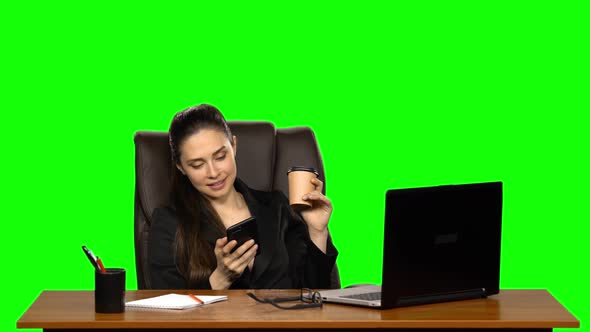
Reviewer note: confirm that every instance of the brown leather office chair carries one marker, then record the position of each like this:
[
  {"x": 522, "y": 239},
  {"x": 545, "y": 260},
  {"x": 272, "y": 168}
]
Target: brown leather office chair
[{"x": 264, "y": 154}]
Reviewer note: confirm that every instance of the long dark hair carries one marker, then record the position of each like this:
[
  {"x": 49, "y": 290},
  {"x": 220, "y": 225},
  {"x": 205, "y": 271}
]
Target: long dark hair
[{"x": 194, "y": 257}]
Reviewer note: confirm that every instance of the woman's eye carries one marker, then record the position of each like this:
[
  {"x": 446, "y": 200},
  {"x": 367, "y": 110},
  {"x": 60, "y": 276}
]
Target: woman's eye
[
  {"x": 221, "y": 157},
  {"x": 197, "y": 166}
]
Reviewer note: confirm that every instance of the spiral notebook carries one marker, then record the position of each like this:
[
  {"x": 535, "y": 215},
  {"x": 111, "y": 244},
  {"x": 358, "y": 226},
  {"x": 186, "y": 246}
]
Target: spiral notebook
[{"x": 175, "y": 301}]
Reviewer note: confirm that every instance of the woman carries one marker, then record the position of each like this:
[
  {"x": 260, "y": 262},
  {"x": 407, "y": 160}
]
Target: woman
[{"x": 187, "y": 245}]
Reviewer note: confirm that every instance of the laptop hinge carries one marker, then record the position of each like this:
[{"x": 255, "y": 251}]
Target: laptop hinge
[{"x": 444, "y": 297}]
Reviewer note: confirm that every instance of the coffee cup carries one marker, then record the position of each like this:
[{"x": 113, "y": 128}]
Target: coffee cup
[{"x": 299, "y": 185}]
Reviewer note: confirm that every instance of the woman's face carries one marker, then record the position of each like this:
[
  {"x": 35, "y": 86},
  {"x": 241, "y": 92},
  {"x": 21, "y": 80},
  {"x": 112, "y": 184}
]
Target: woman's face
[{"x": 207, "y": 158}]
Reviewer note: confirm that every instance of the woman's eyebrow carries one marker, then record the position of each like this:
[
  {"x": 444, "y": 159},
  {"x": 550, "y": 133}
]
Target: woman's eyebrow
[{"x": 223, "y": 148}]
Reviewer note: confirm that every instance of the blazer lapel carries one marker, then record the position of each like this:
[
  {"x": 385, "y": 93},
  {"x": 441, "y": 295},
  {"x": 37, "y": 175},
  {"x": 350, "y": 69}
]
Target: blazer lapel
[{"x": 267, "y": 219}]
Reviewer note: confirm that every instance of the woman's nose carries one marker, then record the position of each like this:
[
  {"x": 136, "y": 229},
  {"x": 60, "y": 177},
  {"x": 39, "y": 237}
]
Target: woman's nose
[{"x": 212, "y": 171}]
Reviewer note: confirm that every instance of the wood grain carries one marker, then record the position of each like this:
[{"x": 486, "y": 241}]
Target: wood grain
[{"x": 530, "y": 309}]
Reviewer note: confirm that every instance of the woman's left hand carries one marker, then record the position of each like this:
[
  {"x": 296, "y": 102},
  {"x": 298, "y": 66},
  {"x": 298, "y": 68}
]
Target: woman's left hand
[{"x": 318, "y": 215}]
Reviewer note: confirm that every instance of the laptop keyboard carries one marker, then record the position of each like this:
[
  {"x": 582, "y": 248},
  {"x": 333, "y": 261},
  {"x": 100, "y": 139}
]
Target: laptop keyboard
[{"x": 375, "y": 296}]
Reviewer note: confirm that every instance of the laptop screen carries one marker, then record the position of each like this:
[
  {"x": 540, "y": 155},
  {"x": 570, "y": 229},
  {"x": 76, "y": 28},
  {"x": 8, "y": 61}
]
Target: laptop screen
[{"x": 443, "y": 239}]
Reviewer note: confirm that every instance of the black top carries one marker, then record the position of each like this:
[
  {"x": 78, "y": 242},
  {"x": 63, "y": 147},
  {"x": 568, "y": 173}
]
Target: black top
[{"x": 288, "y": 258}]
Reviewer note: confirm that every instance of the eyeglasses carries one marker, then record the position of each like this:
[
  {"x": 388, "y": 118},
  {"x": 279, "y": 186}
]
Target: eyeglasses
[{"x": 310, "y": 298}]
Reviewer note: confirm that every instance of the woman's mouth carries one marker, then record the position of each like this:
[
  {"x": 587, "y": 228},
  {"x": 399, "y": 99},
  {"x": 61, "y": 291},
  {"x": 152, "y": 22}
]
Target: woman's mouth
[{"x": 217, "y": 185}]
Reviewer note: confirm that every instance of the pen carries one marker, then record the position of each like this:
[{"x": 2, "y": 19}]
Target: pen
[
  {"x": 196, "y": 298},
  {"x": 91, "y": 257},
  {"x": 102, "y": 269}
]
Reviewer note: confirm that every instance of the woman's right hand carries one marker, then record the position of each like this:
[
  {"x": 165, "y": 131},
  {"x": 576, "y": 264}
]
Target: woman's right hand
[{"x": 231, "y": 265}]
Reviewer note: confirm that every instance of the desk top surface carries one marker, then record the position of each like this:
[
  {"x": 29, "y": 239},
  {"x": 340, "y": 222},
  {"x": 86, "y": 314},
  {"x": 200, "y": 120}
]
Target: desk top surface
[{"x": 509, "y": 309}]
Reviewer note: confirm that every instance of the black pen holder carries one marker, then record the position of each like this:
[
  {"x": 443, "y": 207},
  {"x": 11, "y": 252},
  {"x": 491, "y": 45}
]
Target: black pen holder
[{"x": 109, "y": 291}]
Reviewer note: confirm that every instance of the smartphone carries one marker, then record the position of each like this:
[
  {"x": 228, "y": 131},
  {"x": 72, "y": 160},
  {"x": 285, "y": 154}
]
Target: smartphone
[{"x": 244, "y": 231}]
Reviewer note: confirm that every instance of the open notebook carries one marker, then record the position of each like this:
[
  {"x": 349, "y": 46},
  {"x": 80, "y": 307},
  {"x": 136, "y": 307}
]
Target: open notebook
[{"x": 175, "y": 301}]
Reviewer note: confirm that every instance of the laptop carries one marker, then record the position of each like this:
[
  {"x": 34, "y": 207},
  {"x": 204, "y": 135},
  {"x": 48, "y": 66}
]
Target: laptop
[{"x": 440, "y": 244}]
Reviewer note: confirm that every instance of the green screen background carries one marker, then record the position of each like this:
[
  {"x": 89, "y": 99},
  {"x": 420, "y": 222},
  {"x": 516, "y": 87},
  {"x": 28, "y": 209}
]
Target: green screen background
[{"x": 398, "y": 96}]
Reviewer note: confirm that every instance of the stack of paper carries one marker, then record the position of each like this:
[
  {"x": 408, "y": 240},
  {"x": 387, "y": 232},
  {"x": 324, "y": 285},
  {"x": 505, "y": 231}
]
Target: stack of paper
[{"x": 175, "y": 301}]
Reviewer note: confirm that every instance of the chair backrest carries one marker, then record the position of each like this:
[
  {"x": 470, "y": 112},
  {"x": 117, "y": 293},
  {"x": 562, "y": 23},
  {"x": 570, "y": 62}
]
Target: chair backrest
[{"x": 263, "y": 156}]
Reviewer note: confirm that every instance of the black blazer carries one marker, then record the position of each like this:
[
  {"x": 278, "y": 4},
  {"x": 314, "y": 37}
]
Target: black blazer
[{"x": 288, "y": 258}]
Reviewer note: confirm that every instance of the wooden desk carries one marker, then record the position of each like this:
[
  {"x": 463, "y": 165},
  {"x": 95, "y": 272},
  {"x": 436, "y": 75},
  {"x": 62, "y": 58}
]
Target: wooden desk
[{"x": 530, "y": 310}]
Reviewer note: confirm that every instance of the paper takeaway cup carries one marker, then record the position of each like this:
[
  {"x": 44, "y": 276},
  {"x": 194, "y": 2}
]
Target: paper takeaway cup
[{"x": 299, "y": 185}]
